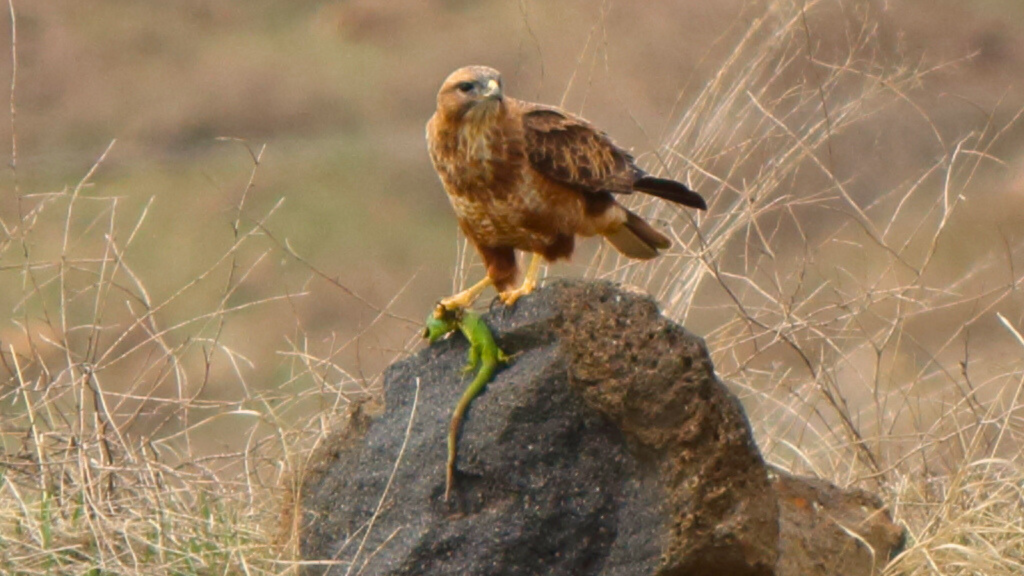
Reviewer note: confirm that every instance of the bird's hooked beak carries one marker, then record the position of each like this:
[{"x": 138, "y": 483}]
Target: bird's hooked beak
[{"x": 492, "y": 90}]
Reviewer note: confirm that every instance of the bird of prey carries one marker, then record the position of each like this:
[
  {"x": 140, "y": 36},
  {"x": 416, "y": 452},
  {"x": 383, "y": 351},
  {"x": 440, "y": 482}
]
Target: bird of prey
[{"x": 530, "y": 177}]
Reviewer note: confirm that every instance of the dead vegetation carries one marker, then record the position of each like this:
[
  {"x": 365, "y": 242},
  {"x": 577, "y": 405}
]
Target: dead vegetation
[
  {"x": 876, "y": 341},
  {"x": 872, "y": 321}
]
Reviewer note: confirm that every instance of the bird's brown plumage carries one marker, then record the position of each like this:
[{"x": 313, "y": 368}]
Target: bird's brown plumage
[{"x": 524, "y": 176}]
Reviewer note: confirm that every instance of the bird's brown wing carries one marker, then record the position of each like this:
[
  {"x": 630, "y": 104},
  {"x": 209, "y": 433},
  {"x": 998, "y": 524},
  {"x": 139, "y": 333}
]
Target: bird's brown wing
[{"x": 570, "y": 151}]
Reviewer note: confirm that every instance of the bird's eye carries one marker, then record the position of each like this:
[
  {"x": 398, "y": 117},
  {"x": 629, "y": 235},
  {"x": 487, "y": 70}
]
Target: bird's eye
[{"x": 464, "y": 86}]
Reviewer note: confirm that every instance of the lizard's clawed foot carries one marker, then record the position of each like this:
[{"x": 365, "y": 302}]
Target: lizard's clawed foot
[{"x": 472, "y": 363}]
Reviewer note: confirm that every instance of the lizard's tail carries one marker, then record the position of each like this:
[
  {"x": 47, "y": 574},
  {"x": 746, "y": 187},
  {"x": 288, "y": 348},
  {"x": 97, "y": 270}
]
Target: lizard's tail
[{"x": 483, "y": 376}]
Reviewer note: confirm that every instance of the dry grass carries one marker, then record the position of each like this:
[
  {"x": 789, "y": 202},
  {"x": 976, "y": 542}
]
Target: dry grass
[
  {"x": 132, "y": 439},
  {"x": 874, "y": 343},
  {"x": 136, "y": 435},
  {"x": 107, "y": 463}
]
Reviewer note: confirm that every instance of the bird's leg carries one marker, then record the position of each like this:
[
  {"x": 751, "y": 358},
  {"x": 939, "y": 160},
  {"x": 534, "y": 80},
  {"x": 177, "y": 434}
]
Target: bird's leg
[
  {"x": 509, "y": 297},
  {"x": 463, "y": 299}
]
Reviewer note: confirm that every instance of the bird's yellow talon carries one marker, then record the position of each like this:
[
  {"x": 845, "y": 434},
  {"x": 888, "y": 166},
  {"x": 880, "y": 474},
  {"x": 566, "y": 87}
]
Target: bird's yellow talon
[
  {"x": 461, "y": 300},
  {"x": 510, "y": 297}
]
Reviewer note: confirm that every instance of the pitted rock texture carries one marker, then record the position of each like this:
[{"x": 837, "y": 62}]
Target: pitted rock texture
[{"x": 607, "y": 447}]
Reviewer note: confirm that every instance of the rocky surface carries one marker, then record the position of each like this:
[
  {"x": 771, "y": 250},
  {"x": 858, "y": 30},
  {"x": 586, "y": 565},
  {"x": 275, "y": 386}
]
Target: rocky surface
[
  {"x": 607, "y": 447},
  {"x": 817, "y": 521}
]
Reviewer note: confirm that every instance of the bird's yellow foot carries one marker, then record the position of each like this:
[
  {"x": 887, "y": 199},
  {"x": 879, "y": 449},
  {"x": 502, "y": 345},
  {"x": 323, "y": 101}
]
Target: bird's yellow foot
[
  {"x": 447, "y": 306},
  {"x": 461, "y": 300},
  {"x": 509, "y": 297}
]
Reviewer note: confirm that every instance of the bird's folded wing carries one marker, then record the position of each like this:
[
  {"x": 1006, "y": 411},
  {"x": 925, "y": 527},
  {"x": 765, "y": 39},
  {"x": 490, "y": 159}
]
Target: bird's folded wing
[{"x": 570, "y": 151}]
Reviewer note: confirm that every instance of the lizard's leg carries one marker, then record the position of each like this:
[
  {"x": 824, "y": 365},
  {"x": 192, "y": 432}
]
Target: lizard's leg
[{"x": 473, "y": 359}]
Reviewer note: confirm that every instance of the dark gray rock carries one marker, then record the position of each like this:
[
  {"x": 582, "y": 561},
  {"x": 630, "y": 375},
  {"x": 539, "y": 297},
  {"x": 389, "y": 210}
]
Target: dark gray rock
[
  {"x": 607, "y": 447},
  {"x": 816, "y": 520}
]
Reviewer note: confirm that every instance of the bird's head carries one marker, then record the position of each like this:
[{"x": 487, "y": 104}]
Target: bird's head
[{"x": 473, "y": 92}]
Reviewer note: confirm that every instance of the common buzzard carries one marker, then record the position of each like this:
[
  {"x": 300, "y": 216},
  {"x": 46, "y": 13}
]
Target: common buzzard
[{"x": 525, "y": 176}]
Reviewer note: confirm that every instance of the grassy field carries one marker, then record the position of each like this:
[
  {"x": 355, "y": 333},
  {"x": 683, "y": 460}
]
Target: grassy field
[{"x": 219, "y": 225}]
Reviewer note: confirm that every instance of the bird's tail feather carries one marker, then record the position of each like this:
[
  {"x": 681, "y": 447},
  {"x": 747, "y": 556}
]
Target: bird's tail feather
[
  {"x": 670, "y": 190},
  {"x": 637, "y": 239}
]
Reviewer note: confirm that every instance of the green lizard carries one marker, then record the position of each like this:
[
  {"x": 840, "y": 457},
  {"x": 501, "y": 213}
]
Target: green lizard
[{"x": 483, "y": 352}]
